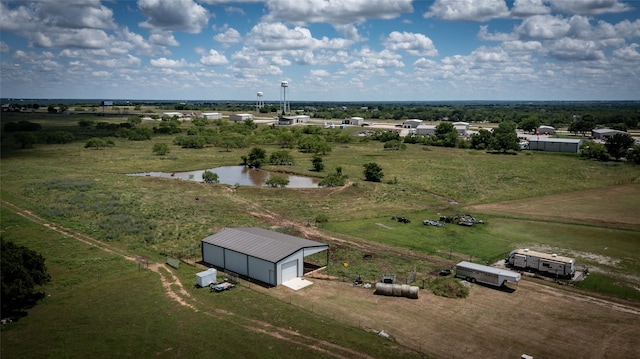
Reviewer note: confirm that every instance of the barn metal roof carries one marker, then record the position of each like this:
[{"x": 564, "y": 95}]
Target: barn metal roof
[
  {"x": 261, "y": 243},
  {"x": 555, "y": 140}
]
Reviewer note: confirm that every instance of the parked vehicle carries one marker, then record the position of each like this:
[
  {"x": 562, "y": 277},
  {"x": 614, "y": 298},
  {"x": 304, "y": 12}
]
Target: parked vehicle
[
  {"x": 474, "y": 272},
  {"x": 550, "y": 264},
  {"x": 429, "y": 222}
]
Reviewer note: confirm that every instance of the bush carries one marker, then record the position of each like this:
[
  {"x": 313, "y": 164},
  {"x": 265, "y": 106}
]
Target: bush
[
  {"x": 161, "y": 149},
  {"x": 210, "y": 177},
  {"x": 277, "y": 181},
  {"x": 449, "y": 288}
]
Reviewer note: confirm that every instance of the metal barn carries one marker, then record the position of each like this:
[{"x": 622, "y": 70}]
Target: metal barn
[
  {"x": 259, "y": 254},
  {"x": 555, "y": 144}
]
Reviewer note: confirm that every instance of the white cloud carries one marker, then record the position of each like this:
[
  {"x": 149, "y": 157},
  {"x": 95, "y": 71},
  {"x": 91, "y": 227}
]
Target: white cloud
[
  {"x": 412, "y": 43},
  {"x": 320, "y": 73},
  {"x": 276, "y": 36},
  {"x": 470, "y": 10},
  {"x": 168, "y": 63},
  {"x": 522, "y": 46},
  {"x": 80, "y": 38},
  {"x": 213, "y": 58},
  {"x": 574, "y": 49},
  {"x": 523, "y": 8},
  {"x": 366, "y": 59},
  {"x": 101, "y": 73},
  {"x": 4, "y": 48},
  {"x": 628, "y": 53},
  {"x": 230, "y": 36},
  {"x": 175, "y": 15},
  {"x": 230, "y": 10},
  {"x": 589, "y": 7},
  {"x": 485, "y": 35},
  {"x": 543, "y": 27},
  {"x": 336, "y": 12},
  {"x": 163, "y": 38}
]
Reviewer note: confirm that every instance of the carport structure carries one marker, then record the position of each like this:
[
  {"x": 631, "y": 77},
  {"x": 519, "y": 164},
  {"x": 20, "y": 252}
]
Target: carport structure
[{"x": 258, "y": 254}]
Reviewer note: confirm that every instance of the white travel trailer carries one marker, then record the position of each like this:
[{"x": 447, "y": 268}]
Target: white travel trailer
[{"x": 542, "y": 262}]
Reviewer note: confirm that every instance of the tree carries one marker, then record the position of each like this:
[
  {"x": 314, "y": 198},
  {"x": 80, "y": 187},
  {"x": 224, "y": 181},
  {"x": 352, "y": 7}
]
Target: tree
[
  {"x": 530, "y": 124},
  {"x": 446, "y": 134},
  {"x": 581, "y": 126},
  {"x": 618, "y": 145},
  {"x": 634, "y": 155},
  {"x": 505, "y": 138},
  {"x": 25, "y": 139},
  {"x": 277, "y": 181},
  {"x": 317, "y": 163},
  {"x": 335, "y": 179},
  {"x": 281, "y": 157},
  {"x": 373, "y": 172},
  {"x": 161, "y": 149},
  {"x": 321, "y": 219},
  {"x": 592, "y": 150},
  {"x": 61, "y": 137},
  {"x": 481, "y": 140},
  {"x": 395, "y": 145},
  {"x": 96, "y": 143},
  {"x": 257, "y": 157},
  {"x": 210, "y": 177},
  {"x": 22, "y": 270}
]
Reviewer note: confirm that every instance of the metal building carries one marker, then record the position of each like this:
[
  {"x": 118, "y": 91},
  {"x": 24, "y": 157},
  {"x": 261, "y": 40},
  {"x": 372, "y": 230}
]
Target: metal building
[
  {"x": 555, "y": 144},
  {"x": 258, "y": 254}
]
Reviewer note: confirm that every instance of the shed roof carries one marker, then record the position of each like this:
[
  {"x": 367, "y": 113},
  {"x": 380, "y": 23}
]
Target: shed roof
[
  {"x": 261, "y": 243},
  {"x": 556, "y": 140},
  {"x": 607, "y": 130}
]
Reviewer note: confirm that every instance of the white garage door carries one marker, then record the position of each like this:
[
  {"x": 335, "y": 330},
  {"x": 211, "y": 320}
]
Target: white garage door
[{"x": 289, "y": 270}]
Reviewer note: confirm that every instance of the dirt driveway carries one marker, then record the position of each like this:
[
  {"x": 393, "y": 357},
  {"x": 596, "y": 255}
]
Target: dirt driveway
[{"x": 536, "y": 319}]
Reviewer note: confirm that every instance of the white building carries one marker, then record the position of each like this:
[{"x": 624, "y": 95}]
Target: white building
[
  {"x": 604, "y": 133},
  {"x": 411, "y": 123},
  {"x": 211, "y": 115},
  {"x": 546, "y": 130},
  {"x": 258, "y": 254},
  {"x": 239, "y": 117},
  {"x": 426, "y": 130},
  {"x": 356, "y": 121},
  {"x": 292, "y": 120}
]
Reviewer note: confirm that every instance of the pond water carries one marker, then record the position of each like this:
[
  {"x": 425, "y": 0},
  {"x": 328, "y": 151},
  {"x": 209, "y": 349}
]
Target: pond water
[{"x": 240, "y": 175}]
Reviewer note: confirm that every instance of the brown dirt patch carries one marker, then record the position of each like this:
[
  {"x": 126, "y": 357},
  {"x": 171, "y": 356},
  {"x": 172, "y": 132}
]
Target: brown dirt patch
[{"x": 536, "y": 319}]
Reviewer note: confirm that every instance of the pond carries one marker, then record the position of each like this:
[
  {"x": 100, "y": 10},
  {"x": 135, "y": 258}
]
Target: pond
[{"x": 240, "y": 175}]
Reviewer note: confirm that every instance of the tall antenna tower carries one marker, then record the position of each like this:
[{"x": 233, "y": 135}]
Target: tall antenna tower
[
  {"x": 260, "y": 101},
  {"x": 285, "y": 106}
]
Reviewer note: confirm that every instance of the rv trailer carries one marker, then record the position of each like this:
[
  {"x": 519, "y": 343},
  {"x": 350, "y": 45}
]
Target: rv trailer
[{"x": 544, "y": 263}]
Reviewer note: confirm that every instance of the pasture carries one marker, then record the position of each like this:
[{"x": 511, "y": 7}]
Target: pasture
[{"x": 554, "y": 202}]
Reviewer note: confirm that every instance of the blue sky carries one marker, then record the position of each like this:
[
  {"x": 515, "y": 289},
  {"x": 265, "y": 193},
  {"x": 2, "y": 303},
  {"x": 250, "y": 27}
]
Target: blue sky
[{"x": 328, "y": 50}]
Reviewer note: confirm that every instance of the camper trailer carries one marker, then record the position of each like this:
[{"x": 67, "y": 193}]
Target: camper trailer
[{"x": 551, "y": 264}]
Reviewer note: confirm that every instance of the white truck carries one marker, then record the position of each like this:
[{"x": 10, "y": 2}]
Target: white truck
[
  {"x": 550, "y": 264},
  {"x": 474, "y": 272}
]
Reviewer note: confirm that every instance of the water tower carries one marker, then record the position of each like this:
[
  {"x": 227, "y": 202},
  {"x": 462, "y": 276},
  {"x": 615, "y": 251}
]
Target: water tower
[
  {"x": 260, "y": 101},
  {"x": 285, "y": 107}
]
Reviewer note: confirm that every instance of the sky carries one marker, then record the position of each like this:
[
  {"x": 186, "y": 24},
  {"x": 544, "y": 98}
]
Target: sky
[{"x": 327, "y": 50}]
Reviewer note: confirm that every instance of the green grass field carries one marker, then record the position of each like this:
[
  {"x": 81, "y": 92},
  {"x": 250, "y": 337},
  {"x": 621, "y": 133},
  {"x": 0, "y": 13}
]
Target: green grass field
[{"x": 88, "y": 190}]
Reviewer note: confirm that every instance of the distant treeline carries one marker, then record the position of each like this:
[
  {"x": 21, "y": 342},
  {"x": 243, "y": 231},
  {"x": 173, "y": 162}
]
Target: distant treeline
[{"x": 623, "y": 115}]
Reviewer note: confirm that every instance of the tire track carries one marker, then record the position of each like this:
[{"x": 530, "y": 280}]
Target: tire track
[{"x": 183, "y": 297}]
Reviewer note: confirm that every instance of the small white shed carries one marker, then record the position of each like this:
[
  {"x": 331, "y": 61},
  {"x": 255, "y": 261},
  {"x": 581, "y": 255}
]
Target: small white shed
[
  {"x": 204, "y": 279},
  {"x": 211, "y": 115},
  {"x": 239, "y": 117}
]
